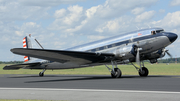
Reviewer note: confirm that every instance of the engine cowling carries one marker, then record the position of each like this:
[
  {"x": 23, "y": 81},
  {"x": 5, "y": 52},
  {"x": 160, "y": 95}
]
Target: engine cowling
[
  {"x": 153, "y": 55},
  {"x": 125, "y": 52}
]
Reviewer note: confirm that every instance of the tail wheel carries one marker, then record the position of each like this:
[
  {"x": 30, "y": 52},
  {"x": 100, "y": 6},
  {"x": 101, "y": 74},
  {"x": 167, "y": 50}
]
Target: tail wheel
[
  {"x": 117, "y": 73},
  {"x": 143, "y": 72}
]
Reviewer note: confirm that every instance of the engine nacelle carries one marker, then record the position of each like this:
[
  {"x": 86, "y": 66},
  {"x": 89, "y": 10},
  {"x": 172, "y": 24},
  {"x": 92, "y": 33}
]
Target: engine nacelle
[
  {"x": 153, "y": 55},
  {"x": 153, "y": 60},
  {"x": 125, "y": 52}
]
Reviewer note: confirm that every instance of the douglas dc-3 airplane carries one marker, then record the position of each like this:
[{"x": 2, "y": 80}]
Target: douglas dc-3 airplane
[{"x": 136, "y": 46}]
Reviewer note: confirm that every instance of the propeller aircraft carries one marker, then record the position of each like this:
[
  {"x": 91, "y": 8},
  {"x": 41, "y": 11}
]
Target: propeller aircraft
[{"x": 137, "y": 46}]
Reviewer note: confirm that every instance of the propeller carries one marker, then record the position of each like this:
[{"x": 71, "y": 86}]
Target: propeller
[
  {"x": 138, "y": 62},
  {"x": 163, "y": 53},
  {"x": 169, "y": 54}
]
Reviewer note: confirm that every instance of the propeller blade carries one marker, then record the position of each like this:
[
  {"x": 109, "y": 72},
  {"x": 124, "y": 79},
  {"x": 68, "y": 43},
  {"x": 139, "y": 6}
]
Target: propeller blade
[
  {"x": 169, "y": 54},
  {"x": 163, "y": 53},
  {"x": 138, "y": 58}
]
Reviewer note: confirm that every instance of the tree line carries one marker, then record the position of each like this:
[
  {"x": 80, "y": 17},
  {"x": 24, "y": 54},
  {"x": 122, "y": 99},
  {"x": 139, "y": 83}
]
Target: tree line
[
  {"x": 11, "y": 62},
  {"x": 169, "y": 60}
]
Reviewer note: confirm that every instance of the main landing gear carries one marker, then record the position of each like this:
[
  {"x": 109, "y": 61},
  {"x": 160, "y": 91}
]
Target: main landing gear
[
  {"x": 115, "y": 72},
  {"x": 143, "y": 71}
]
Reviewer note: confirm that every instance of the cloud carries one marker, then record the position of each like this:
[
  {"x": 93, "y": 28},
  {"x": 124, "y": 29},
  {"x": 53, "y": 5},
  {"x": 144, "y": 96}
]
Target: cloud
[
  {"x": 13, "y": 11},
  {"x": 70, "y": 19},
  {"x": 161, "y": 11},
  {"x": 98, "y": 18},
  {"x": 75, "y": 14},
  {"x": 60, "y": 13},
  {"x": 175, "y": 3},
  {"x": 138, "y": 10},
  {"x": 118, "y": 7},
  {"x": 111, "y": 26},
  {"x": 19, "y": 33},
  {"x": 95, "y": 37},
  {"x": 170, "y": 21},
  {"x": 145, "y": 16},
  {"x": 45, "y": 3},
  {"x": 90, "y": 12}
]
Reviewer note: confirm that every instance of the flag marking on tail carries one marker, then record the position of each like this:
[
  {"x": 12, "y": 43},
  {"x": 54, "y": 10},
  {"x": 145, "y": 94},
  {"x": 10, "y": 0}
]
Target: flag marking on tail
[{"x": 26, "y": 58}]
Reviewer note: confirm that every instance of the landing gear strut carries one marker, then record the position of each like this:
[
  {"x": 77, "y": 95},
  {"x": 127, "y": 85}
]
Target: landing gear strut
[
  {"x": 42, "y": 73},
  {"x": 143, "y": 71},
  {"x": 115, "y": 72}
]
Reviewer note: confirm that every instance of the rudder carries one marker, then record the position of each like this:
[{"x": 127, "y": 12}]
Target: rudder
[{"x": 25, "y": 45}]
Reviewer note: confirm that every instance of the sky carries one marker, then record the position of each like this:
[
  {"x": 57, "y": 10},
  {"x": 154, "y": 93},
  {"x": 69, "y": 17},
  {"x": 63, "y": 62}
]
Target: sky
[{"x": 60, "y": 24}]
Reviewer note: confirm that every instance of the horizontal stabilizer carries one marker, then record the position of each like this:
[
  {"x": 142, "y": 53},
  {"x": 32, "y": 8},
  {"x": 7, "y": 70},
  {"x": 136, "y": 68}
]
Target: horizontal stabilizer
[
  {"x": 18, "y": 66},
  {"x": 63, "y": 56}
]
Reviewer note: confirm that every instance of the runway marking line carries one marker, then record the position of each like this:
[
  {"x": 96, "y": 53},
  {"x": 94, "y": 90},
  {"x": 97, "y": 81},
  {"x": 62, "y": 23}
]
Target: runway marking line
[{"x": 93, "y": 90}]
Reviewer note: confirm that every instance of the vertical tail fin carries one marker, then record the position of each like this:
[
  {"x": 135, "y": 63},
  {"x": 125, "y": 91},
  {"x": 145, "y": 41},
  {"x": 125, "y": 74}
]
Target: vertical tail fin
[
  {"x": 30, "y": 42},
  {"x": 25, "y": 45}
]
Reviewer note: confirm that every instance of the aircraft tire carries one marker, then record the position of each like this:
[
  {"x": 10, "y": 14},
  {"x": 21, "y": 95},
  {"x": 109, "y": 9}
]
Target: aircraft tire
[
  {"x": 144, "y": 72},
  {"x": 41, "y": 74},
  {"x": 117, "y": 74}
]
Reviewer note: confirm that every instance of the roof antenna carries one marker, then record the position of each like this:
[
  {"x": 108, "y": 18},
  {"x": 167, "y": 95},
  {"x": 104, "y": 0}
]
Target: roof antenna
[
  {"x": 137, "y": 27},
  {"x": 148, "y": 26}
]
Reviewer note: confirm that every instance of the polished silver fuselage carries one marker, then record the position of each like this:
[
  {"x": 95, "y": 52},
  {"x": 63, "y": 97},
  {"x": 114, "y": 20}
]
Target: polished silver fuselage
[{"x": 122, "y": 47}]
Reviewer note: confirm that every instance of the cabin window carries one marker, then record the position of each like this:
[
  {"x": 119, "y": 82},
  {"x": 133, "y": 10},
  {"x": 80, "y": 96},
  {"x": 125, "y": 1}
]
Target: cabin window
[
  {"x": 109, "y": 46},
  {"x": 101, "y": 48},
  {"x": 93, "y": 50},
  {"x": 105, "y": 47},
  {"x": 117, "y": 44},
  {"x": 113, "y": 45}
]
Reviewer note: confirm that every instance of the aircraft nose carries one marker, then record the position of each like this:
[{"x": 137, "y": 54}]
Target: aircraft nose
[{"x": 172, "y": 37}]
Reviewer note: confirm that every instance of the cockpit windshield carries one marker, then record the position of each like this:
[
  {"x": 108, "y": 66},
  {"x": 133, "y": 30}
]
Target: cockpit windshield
[
  {"x": 156, "y": 31},
  {"x": 159, "y": 31}
]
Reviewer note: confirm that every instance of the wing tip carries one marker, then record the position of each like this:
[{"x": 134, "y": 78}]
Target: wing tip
[{"x": 8, "y": 67}]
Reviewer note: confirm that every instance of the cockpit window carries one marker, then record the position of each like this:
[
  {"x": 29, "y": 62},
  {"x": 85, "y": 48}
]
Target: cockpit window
[
  {"x": 156, "y": 31},
  {"x": 153, "y": 32},
  {"x": 159, "y": 31}
]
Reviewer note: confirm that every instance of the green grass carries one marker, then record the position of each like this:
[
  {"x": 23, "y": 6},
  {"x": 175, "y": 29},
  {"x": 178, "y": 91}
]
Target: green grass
[
  {"x": 23, "y": 100},
  {"x": 26, "y": 100},
  {"x": 155, "y": 69}
]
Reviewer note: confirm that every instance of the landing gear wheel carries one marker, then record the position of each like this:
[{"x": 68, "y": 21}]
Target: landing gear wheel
[
  {"x": 117, "y": 73},
  {"x": 144, "y": 72},
  {"x": 41, "y": 74}
]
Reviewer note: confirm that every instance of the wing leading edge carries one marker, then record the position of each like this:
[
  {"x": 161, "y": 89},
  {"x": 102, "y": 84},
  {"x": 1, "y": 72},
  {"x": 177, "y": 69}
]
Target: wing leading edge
[{"x": 64, "y": 56}]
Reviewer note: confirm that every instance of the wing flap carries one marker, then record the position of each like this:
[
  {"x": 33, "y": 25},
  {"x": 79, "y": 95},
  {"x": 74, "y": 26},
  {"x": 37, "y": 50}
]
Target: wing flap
[{"x": 63, "y": 56}]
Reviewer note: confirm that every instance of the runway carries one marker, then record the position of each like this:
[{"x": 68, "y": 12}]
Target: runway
[{"x": 89, "y": 87}]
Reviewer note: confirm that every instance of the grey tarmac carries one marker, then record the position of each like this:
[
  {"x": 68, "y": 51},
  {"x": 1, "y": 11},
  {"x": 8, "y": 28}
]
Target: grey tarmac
[{"x": 90, "y": 87}]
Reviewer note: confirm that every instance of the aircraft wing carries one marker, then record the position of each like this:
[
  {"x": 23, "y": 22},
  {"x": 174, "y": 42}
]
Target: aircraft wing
[
  {"x": 18, "y": 66},
  {"x": 64, "y": 56}
]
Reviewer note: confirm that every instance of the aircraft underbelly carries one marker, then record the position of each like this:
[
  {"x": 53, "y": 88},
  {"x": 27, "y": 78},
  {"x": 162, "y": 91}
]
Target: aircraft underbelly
[{"x": 57, "y": 65}]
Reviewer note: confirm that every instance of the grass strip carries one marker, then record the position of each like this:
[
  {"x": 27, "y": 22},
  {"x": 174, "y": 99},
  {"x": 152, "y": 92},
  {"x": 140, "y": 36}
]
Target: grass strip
[
  {"x": 155, "y": 69},
  {"x": 27, "y": 100}
]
